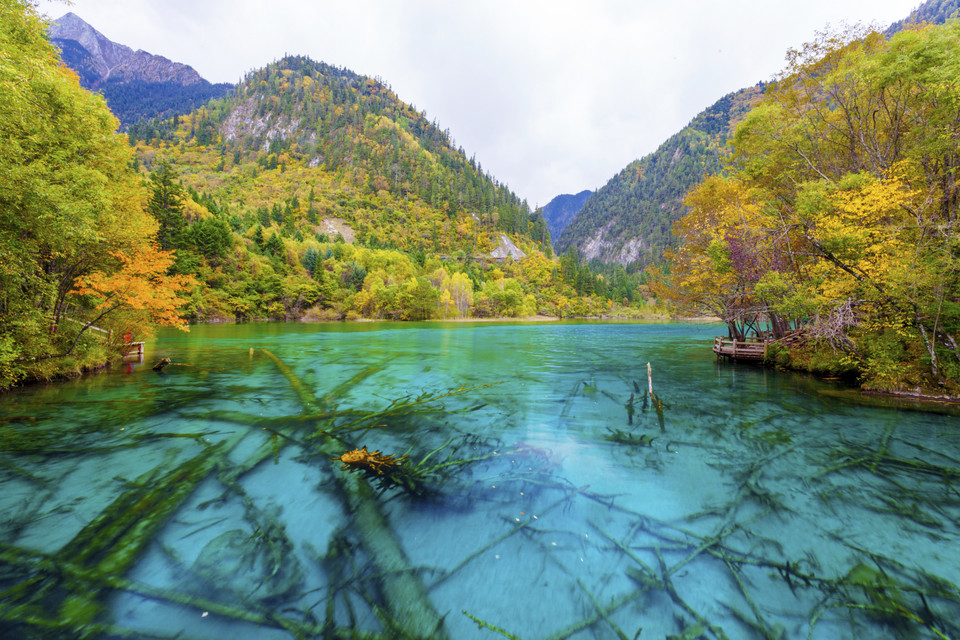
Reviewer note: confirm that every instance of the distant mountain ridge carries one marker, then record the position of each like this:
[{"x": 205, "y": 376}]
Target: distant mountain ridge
[
  {"x": 560, "y": 211},
  {"x": 136, "y": 84},
  {"x": 117, "y": 62},
  {"x": 630, "y": 219}
]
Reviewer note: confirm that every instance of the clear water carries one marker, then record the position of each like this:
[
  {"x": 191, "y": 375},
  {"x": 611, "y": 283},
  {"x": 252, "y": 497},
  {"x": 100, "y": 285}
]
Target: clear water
[{"x": 766, "y": 504}]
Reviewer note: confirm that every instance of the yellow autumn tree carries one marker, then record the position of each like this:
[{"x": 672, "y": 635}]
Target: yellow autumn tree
[
  {"x": 141, "y": 285},
  {"x": 727, "y": 245},
  {"x": 852, "y": 209},
  {"x": 71, "y": 205}
]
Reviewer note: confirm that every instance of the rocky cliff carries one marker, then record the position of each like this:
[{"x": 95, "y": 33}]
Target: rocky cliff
[
  {"x": 109, "y": 61},
  {"x": 136, "y": 84}
]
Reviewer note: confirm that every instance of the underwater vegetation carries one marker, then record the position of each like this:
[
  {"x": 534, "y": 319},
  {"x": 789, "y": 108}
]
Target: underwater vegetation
[{"x": 368, "y": 486}]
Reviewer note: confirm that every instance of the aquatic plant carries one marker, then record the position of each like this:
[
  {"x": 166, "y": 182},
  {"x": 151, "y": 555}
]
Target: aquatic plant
[{"x": 247, "y": 568}]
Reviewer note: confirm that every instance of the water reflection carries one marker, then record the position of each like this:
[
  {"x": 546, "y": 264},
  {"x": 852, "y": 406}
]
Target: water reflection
[{"x": 470, "y": 481}]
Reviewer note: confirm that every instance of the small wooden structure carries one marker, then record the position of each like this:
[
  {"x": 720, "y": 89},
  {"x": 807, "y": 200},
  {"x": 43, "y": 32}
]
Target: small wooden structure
[
  {"x": 752, "y": 348},
  {"x": 132, "y": 349}
]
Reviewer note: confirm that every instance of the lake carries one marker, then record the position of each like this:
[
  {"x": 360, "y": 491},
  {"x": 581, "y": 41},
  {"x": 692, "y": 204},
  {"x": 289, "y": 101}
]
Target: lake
[{"x": 476, "y": 480}]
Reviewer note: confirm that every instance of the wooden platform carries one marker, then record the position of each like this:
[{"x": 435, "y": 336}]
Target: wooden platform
[
  {"x": 751, "y": 349},
  {"x": 132, "y": 349}
]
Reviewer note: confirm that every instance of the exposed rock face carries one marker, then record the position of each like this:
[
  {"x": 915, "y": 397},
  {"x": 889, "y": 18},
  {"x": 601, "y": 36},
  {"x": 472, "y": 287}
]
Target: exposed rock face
[
  {"x": 150, "y": 68},
  {"x": 110, "y": 61},
  {"x": 243, "y": 122},
  {"x": 607, "y": 248},
  {"x": 631, "y": 217},
  {"x": 337, "y": 226},
  {"x": 506, "y": 248}
]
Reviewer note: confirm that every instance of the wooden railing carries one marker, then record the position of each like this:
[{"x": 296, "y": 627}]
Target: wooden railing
[
  {"x": 753, "y": 347},
  {"x": 750, "y": 349},
  {"x": 102, "y": 333}
]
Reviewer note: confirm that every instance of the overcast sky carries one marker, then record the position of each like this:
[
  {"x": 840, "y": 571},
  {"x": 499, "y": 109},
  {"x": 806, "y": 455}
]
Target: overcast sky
[{"x": 552, "y": 96}]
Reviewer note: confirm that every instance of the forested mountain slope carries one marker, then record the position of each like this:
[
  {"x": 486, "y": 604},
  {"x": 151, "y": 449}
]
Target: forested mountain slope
[
  {"x": 316, "y": 188},
  {"x": 630, "y": 218},
  {"x": 317, "y": 140}
]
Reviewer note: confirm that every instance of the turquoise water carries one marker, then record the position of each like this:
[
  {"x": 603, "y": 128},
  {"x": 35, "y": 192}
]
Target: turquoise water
[{"x": 203, "y": 501}]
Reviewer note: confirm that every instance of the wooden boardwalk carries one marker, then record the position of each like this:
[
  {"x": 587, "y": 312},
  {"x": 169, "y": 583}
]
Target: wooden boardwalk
[
  {"x": 753, "y": 348},
  {"x": 132, "y": 349}
]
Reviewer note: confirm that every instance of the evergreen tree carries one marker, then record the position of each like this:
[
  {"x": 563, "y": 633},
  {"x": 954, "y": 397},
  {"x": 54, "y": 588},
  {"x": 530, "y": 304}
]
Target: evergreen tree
[
  {"x": 274, "y": 246},
  {"x": 166, "y": 206},
  {"x": 310, "y": 260}
]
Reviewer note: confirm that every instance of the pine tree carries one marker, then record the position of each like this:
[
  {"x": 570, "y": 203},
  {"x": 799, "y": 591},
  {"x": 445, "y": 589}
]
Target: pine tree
[{"x": 166, "y": 205}]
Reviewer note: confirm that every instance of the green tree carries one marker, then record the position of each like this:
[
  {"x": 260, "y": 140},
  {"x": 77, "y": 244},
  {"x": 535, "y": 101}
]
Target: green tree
[
  {"x": 72, "y": 211},
  {"x": 417, "y": 299},
  {"x": 166, "y": 205},
  {"x": 212, "y": 237},
  {"x": 274, "y": 246},
  {"x": 309, "y": 260}
]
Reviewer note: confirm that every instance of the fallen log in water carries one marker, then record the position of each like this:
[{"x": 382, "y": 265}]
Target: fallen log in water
[
  {"x": 403, "y": 593},
  {"x": 108, "y": 545}
]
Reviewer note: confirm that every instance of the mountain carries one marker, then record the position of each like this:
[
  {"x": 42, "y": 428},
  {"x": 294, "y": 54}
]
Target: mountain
[
  {"x": 136, "y": 84},
  {"x": 629, "y": 220},
  {"x": 297, "y": 121},
  {"x": 561, "y": 210},
  {"x": 932, "y": 11},
  {"x": 312, "y": 187}
]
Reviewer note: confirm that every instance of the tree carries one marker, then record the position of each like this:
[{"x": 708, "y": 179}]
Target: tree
[
  {"x": 274, "y": 246},
  {"x": 459, "y": 288},
  {"x": 166, "y": 206},
  {"x": 71, "y": 204},
  {"x": 417, "y": 299},
  {"x": 211, "y": 236},
  {"x": 309, "y": 260},
  {"x": 847, "y": 170},
  {"x": 140, "y": 283}
]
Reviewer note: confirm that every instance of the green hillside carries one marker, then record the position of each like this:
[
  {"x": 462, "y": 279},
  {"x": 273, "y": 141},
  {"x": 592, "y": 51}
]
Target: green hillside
[
  {"x": 325, "y": 195},
  {"x": 629, "y": 220}
]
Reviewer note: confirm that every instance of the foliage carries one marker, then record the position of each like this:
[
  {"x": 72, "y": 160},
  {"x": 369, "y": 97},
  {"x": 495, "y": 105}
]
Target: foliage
[
  {"x": 840, "y": 210},
  {"x": 312, "y": 192},
  {"x": 73, "y": 211},
  {"x": 141, "y": 283}
]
